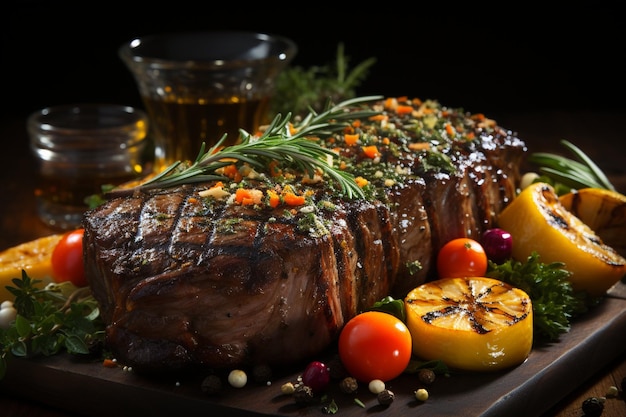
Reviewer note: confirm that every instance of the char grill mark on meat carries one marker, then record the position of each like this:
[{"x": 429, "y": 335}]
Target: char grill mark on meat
[
  {"x": 223, "y": 290},
  {"x": 184, "y": 280}
]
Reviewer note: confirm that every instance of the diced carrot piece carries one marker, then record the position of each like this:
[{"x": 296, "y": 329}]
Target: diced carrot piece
[
  {"x": 242, "y": 194},
  {"x": 378, "y": 117},
  {"x": 231, "y": 171},
  {"x": 450, "y": 130},
  {"x": 371, "y": 151},
  {"x": 404, "y": 109},
  {"x": 351, "y": 139},
  {"x": 273, "y": 198},
  {"x": 293, "y": 200},
  {"x": 248, "y": 197}
]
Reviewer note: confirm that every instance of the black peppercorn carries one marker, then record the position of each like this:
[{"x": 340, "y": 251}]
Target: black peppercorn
[
  {"x": 385, "y": 397},
  {"x": 211, "y": 385},
  {"x": 303, "y": 394},
  {"x": 593, "y": 407},
  {"x": 348, "y": 385},
  {"x": 426, "y": 376}
]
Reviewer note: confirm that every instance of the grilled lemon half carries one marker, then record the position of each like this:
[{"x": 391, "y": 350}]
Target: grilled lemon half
[
  {"x": 604, "y": 211},
  {"x": 471, "y": 324},
  {"x": 538, "y": 221},
  {"x": 34, "y": 257}
]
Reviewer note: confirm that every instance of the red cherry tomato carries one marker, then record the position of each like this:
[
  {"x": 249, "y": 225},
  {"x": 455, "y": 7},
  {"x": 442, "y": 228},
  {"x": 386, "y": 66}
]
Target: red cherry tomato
[
  {"x": 462, "y": 257},
  {"x": 67, "y": 259},
  {"x": 375, "y": 345}
]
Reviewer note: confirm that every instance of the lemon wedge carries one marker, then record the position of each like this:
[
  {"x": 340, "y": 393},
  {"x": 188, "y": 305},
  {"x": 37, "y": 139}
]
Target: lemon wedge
[
  {"x": 471, "y": 324},
  {"x": 33, "y": 257},
  {"x": 604, "y": 211},
  {"x": 538, "y": 221}
]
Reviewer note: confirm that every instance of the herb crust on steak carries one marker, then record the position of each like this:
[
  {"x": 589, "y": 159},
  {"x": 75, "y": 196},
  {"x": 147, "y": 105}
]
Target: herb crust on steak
[{"x": 265, "y": 266}]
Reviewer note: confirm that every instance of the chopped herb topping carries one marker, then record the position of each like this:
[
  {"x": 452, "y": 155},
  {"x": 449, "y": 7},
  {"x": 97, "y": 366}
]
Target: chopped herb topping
[{"x": 358, "y": 149}]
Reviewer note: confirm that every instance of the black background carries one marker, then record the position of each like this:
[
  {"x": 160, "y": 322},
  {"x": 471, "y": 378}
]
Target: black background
[{"x": 475, "y": 57}]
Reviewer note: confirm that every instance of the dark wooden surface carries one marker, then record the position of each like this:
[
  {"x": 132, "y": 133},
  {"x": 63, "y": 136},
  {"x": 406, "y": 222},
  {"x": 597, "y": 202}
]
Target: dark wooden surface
[
  {"x": 530, "y": 389},
  {"x": 553, "y": 382}
]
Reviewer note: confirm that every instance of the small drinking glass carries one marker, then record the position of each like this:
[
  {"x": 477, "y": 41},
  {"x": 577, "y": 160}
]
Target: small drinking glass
[
  {"x": 198, "y": 86},
  {"x": 79, "y": 149}
]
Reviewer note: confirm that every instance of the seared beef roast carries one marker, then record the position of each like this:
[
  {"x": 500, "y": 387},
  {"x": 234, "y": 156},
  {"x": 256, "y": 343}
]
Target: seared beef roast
[{"x": 188, "y": 277}]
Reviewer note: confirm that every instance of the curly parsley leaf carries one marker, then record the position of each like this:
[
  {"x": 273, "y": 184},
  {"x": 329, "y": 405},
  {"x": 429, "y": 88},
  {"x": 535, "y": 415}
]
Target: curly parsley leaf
[
  {"x": 391, "y": 306},
  {"x": 49, "y": 320},
  {"x": 555, "y": 303}
]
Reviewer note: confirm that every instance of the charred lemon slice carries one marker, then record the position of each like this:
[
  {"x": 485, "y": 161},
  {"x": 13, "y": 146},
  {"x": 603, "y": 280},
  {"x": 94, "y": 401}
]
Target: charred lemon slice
[
  {"x": 537, "y": 221},
  {"x": 33, "y": 257},
  {"x": 604, "y": 211},
  {"x": 471, "y": 324}
]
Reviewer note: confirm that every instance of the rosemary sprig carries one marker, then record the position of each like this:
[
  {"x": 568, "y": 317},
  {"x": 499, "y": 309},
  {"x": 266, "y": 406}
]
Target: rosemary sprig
[
  {"x": 277, "y": 143},
  {"x": 573, "y": 173}
]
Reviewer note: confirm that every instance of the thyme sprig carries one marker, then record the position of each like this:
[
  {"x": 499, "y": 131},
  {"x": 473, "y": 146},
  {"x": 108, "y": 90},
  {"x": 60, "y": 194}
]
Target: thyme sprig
[
  {"x": 572, "y": 173},
  {"x": 277, "y": 143}
]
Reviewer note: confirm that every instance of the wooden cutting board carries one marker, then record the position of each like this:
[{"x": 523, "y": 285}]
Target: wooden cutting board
[{"x": 550, "y": 372}]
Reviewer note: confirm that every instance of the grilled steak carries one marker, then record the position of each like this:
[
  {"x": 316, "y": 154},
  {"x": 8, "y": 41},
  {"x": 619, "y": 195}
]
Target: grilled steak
[{"x": 186, "y": 277}]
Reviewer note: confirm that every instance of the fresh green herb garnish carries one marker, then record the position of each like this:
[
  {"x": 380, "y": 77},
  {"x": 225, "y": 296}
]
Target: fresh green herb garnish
[
  {"x": 565, "y": 173},
  {"x": 298, "y": 89},
  {"x": 94, "y": 200},
  {"x": 49, "y": 320},
  {"x": 437, "y": 366},
  {"x": 359, "y": 403},
  {"x": 331, "y": 406},
  {"x": 277, "y": 143},
  {"x": 392, "y": 306},
  {"x": 555, "y": 302}
]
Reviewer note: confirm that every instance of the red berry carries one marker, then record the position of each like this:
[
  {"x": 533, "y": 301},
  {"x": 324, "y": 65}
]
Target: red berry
[
  {"x": 498, "y": 245},
  {"x": 316, "y": 376}
]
